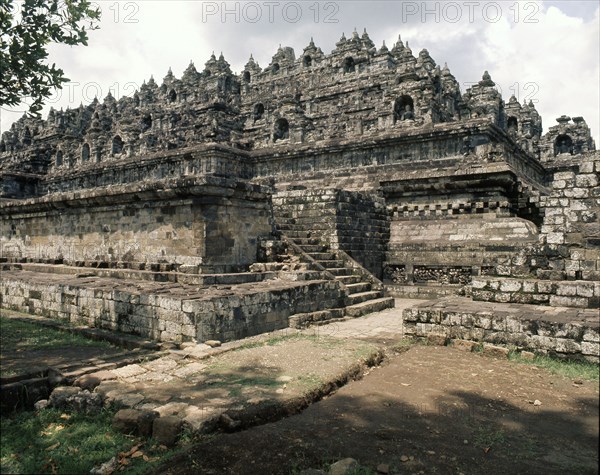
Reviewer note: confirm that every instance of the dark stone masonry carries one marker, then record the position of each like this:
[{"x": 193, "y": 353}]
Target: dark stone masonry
[{"x": 220, "y": 205}]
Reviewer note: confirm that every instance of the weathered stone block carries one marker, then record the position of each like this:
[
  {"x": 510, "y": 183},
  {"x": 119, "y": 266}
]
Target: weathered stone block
[
  {"x": 464, "y": 345},
  {"x": 543, "y": 342},
  {"x": 134, "y": 421},
  {"x": 546, "y": 287},
  {"x": 587, "y": 180},
  {"x": 568, "y": 346},
  {"x": 590, "y": 348},
  {"x": 513, "y": 325},
  {"x": 564, "y": 301},
  {"x": 585, "y": 289},
  {"x": 479, "y": 284},
  {"x": 529, "y": 286},
  {"x": 555, "y": 238},
  {"x": 166, "y": 430},
  {"x": 495, "y": 351},
  {"x": 483, "y": 295},
  {"x": 510, "y": 285},
  {"x": 343, "y": 467},
  {"x": 591, "y": 335},
  {"x": 474, "y": 334},
  {"x": 437, "y": 339}
]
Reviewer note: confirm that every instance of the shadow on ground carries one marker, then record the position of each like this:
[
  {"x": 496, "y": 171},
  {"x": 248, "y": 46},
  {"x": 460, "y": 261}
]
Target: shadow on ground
[{"x": 429, "y": 410}]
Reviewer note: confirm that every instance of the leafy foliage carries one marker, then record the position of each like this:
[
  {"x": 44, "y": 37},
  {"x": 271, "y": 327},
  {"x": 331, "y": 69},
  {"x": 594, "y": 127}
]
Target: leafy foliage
[
  {"x": 53, "y": 441},
  {"x": 28, "y": 27}
]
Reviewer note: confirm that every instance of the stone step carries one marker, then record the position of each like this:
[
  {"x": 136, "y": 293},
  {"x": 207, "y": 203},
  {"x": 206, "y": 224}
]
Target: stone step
[
  {"x": 145, "y": 275},
  {"x": 338, "y": 271},
  {"x": 284, "y": 266},
  {"x": 322, "y": 256},
  {"x": 332, "y": 263},
  {"x": 302, "y": 320},
  {"x": 288, "y": 226},
  {"x": 358, "y": 287},
  {"x": 364, "y": 296},
  {"x": 306, "y": 241},
  {"x": 310, "y": 232},
  {"x": 369, "y": 306},
  {"x": 302, "y": 233},
  {"x": 309, "y": 248},
  {"x": 349, "y": 279}
]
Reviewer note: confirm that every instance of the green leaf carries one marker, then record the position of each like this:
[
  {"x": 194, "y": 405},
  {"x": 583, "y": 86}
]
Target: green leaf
[{"x": 23, "y": 46}]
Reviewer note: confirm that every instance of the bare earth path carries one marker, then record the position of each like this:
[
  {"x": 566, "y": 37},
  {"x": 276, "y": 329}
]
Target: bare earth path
[{"x": 428, "y": 410}]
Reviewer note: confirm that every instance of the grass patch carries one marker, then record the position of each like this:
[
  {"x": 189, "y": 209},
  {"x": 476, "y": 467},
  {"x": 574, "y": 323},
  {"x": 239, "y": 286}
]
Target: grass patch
[
  {"x": 236, "y": 382},
  {"x": 478, "y": 348},
  {"x": 325, "y": 342},
  {"x": 309, "y": 380},
  {"x": 53, "y": 441},
  {"x": 404, "y": 344},
  {"x": 365, "y": 352},
  {"x": 488, "y": 437},
  {"x": 569, "y": 368},
  {"x": 21, "y": 336}
]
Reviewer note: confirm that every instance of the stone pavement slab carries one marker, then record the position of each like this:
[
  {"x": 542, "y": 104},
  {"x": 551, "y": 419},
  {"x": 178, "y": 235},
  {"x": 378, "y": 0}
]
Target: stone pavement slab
[{"x": 378, "y": 325}]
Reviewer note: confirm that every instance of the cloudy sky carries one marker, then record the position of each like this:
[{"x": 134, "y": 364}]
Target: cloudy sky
[{"x": 545, "y": 51}]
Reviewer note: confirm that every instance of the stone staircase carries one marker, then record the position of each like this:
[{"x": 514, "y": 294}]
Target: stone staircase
[{"x": 365, "y": 293}]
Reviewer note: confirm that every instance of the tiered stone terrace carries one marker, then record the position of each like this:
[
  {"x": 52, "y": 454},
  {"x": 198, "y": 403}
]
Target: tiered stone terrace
[{"x": 222, "y": 205}]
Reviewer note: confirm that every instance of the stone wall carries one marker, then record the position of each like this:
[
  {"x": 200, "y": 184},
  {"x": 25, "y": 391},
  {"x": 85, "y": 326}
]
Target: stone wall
[
  {"x": 581, "y": 294},
  {"x": 168, "y": 312},
  {"x": 374, "y": 152},
  {"x": 214, "y": 224},
  {"x": 201, "y": 160},
  {"x": 18, "y": 185},
  {"x": 446, "y": 228},
  {"x": 565, "y": 332},
  {"x": 416, "y": 148},
  {"x": 571, "y": 227},
  {"x": 362, "y": 228},
  {"x": 355, "y": 222}
]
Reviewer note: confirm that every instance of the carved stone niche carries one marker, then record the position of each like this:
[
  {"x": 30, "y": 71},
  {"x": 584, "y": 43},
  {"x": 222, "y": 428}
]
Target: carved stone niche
[{"x": 395, "y": 274}]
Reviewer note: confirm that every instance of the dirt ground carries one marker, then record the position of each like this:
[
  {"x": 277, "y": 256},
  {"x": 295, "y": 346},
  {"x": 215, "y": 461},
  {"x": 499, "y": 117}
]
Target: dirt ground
[{"x": 427, "y": 410}]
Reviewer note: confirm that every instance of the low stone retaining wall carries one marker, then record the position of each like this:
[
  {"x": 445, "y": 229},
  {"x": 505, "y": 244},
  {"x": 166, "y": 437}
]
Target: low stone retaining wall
[
  {"x": 579, "y": 293},
  {"x": 566, "y": 332},
  {"x": 425, "y": 292},
  {"x": 167, "y": 312}
]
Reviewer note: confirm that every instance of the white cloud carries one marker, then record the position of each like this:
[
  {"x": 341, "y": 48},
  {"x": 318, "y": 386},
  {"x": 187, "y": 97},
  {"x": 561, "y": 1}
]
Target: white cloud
[{"x": 553, "y": 62}]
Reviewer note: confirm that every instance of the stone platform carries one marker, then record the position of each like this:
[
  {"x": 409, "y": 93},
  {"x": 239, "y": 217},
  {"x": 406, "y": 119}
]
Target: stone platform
[
  {"x": 167, "y": 311},
  {"x": 560, "y": 331},
  {"x": 179, "y": 307}
]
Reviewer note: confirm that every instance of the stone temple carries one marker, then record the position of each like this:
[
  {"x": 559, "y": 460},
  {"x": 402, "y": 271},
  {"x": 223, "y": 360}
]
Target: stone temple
[{"x": 221, "y": 205}]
